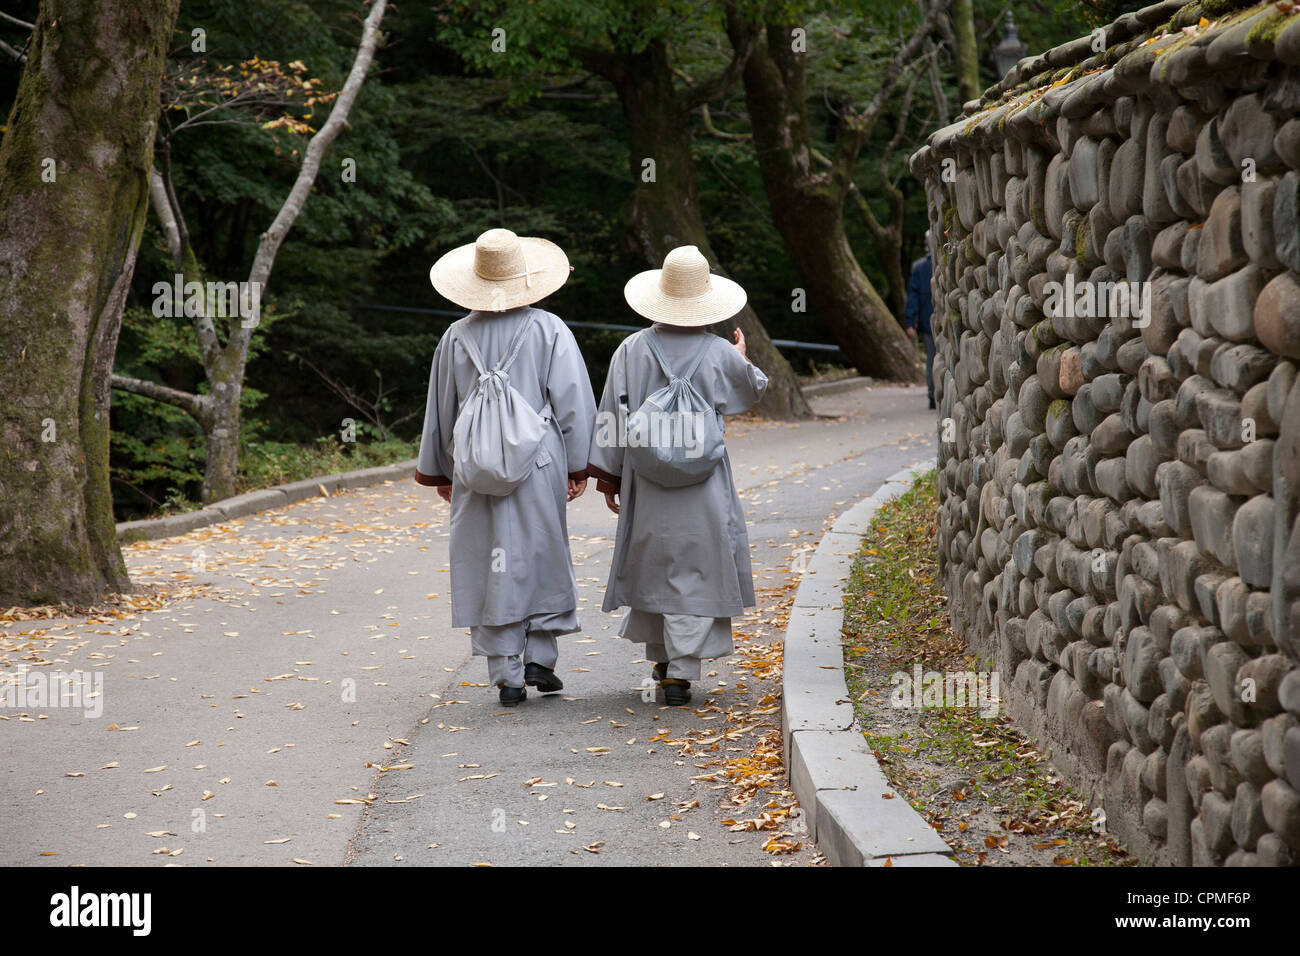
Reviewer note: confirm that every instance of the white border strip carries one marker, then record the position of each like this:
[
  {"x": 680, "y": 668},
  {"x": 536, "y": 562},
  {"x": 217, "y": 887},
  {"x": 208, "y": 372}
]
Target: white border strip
[{"x": 832, "y": 771}]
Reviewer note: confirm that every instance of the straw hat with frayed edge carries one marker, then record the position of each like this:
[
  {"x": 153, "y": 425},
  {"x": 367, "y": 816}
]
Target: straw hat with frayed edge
[
  {"x": 500, "y": 271},
  {"x": 683, "y": 292}
]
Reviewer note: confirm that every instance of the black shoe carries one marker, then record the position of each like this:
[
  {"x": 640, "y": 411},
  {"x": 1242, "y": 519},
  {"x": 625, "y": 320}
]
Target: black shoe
[
  {"x": 676, "y": 691},
  {"x": 511, "y": 696},
  {"x": 932, "y": 405},
  {"x": 543, "y": 678}
]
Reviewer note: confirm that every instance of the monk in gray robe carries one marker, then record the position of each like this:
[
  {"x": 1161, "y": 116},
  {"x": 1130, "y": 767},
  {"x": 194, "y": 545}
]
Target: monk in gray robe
[
  {"x": 512, "y": 581},
  {"x": 681, "y": 560}
]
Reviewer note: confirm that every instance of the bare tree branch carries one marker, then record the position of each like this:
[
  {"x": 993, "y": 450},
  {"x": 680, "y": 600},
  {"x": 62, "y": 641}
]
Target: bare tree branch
[
  {"x": 904, "y": 112},
  {"x": 501, "y": 185},
  {"x": 167, "y": 208},
  {"x": 709, "y": 90},
  {"x": 316, "y": 147},
  {"x": 709, "y": 128},
  {"x": 372, "y": 410},
  {"x": 718, "y": 133},
  {"x": 193, "y": 404},
  {"x": 162, "y": 208},
  {"x": 936, "y": 85},
  {"x": 164, "y": 151},
  {"x": 218, "y": 410},
  {"x": 903, "y": 61},
  {"x": 858, "y": 123},
  {"x": 16, "y": 22},
  {"x": 241, "y": 101},
  {"x": 879, "y": 231},
  {"x": 18, "y": 55}
]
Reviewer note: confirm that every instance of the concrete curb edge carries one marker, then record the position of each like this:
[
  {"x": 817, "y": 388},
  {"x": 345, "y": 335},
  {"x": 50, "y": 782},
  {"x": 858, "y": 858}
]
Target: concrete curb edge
[
  {"x": 264, "y": 499},
  {"x": 839, "y": 784},
  {"x": 838, "y": 385}
]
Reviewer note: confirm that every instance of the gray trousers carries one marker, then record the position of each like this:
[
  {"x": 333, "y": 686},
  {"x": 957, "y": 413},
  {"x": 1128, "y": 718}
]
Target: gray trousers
[
  {"x": 679, "y": 640},
  {"x": 510, "y": 647}
]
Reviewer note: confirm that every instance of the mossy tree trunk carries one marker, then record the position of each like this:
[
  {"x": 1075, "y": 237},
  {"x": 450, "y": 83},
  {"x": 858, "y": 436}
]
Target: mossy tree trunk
[
  {"x": 74, "y": 191},
  {"x": 806, "y": 198},
  {"x": 666, "y": 204}
]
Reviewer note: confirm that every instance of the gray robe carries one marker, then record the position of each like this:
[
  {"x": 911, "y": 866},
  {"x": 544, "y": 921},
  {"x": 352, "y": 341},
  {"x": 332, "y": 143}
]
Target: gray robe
[
  {"x": 677, "y": 550},
  {"x": 510, "y": 554}
]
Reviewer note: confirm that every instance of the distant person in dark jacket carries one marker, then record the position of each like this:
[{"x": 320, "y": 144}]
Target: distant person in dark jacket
[{"x": 920, "y": 307}]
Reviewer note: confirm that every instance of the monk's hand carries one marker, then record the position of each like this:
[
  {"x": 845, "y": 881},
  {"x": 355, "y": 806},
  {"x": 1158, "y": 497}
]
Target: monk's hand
[
  {"x": 577, "y": 488},
  {"x": 444, "y": 492},
  {"x": 739, "y": 340},
  {"x": 911, "y": 332},
  {"x": 611, "y": 501}
]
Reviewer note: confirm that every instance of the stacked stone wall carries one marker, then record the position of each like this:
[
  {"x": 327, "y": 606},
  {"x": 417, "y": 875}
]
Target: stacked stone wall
[{"x": 1120, "y": 476}]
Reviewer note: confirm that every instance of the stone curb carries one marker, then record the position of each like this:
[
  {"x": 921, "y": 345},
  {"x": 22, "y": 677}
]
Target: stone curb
[
  {"x": 240, "y": 506},
  {"x": 839, "y": 385},
  {"x": 835, "y": 776}
]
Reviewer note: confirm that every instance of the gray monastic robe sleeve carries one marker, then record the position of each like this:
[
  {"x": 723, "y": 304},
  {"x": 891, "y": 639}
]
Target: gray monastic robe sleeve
[
  {"x": 434, "y": 464},
  {"x": 568, "y": 389},
  {"x": 738, "y": 384},
  {"x": 605, "y": 460}
]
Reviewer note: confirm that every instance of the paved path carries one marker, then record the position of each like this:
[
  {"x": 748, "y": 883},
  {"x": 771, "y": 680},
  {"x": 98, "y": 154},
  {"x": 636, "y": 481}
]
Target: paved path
[{"x": 297, "y": 654}]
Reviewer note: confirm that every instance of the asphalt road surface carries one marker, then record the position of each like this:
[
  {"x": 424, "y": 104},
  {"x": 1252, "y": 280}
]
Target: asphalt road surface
[{"x": 288, "y": 690}]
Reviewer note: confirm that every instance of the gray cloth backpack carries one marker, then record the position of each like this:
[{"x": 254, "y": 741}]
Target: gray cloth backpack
[
  {"x": 497, "y": 433},
  {"x": 676, "y": 437}
]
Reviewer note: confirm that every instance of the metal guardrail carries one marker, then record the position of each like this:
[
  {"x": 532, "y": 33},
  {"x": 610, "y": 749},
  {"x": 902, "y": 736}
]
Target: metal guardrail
[{"x": 602, "y": 326}]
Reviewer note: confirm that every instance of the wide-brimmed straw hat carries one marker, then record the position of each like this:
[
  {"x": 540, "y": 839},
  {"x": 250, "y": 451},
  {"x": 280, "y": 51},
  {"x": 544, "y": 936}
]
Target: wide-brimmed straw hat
[
  {"x": 683, "y": 292},
  {"x": 500, "y": 271}
]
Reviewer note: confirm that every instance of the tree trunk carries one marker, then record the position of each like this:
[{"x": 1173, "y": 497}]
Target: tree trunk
[
  {"x": 858, "y": 318},
  {"x": 887, "y": 237},
  {"x": 890, "y": 252},
  {"x": 967, "y": 52},
  {"x": 666, "y": 212},
  {"x": 221, "y": 422},
  {"x": 74, "y": 190},
  {"x": 807, "y": 207},
  {"x": 889, "y": 246}
]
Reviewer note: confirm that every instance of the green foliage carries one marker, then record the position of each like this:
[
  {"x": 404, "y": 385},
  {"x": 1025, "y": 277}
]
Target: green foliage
[
  {"x": 156, "y": 455},
  {"x": 274, "y": 463},
  {"x": 449, "y": 139},
  {"x": 550, "y": 36}
]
